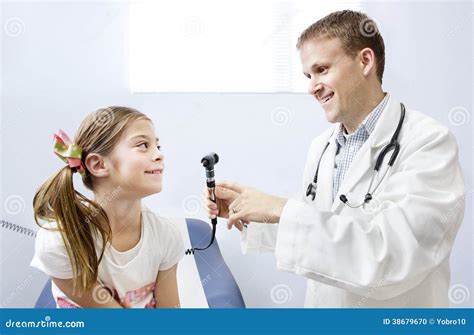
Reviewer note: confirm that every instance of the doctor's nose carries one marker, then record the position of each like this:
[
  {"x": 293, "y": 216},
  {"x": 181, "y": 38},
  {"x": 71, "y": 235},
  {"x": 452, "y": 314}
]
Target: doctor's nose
[{"x": 314, "y": 88}]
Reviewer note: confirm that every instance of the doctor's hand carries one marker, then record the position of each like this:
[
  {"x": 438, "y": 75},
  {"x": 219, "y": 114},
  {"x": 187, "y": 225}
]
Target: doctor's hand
[
  {"x": 256, "y": 206},
  {"x": 225, "y": 194}
]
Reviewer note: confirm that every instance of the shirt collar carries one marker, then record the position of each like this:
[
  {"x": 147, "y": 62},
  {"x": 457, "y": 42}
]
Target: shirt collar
[{"x": 368, "y": 125}]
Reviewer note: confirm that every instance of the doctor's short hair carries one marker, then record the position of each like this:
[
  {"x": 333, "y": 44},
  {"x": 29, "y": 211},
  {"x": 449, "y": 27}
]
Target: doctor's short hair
[{"x": 355, "y": 30}]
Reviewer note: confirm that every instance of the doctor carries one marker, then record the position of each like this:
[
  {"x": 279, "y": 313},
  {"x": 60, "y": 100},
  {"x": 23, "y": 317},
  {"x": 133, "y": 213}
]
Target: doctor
[{"x": 362, "y": 238}]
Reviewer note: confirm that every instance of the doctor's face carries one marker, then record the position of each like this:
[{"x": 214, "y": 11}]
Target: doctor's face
[{"x": 335, "y": 78}]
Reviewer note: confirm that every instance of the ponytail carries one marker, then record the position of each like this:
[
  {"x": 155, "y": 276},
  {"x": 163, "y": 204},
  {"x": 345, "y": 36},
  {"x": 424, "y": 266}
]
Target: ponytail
[{"x": 78, "y": 220}]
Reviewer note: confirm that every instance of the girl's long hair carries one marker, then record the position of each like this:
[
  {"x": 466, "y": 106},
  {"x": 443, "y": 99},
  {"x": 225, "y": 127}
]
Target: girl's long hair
[{"x": 80, "y": 220}]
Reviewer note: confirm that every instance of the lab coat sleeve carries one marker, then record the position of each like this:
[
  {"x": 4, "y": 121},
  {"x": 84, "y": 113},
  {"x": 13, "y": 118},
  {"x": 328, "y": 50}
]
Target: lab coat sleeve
[
  {"x": 260, "y": 237},
  {"x": 420, "y": 210}
]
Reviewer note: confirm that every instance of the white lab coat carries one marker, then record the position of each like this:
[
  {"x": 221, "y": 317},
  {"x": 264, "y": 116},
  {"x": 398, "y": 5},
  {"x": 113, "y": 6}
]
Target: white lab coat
[{"x": 393, "y": 253}]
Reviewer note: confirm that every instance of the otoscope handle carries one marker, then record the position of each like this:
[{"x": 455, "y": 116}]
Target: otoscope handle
[{"x": 211, "y": 187}]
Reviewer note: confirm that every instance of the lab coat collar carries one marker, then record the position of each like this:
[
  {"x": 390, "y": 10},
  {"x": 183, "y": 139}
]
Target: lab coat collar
[
  {"x": 365, "y": 157},
  {"x": 325, "y": 178},
  {"x": 387, "y": 124}
]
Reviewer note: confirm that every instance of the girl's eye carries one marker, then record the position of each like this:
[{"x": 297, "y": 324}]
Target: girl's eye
[
  {"x": 322, "y": 69},
  {"x": 145, "y": 145}
]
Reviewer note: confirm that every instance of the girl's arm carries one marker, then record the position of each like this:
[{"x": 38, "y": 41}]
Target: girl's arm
[
  {"x": 166, "y": 289},
  {"x": 98, "y": 297}
]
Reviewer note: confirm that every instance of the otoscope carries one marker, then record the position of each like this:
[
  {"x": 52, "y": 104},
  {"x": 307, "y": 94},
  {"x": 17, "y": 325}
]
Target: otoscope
[{"x": 208, "y": 162}]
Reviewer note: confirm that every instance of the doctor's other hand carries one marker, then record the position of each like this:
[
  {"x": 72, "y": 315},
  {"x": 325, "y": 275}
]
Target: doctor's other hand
[
  {"x": 253, "y": 205},
  {"x": 225, "y": 194}
]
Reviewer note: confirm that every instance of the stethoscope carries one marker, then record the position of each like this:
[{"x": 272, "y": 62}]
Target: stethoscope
[{"x": 393, "y": 145}]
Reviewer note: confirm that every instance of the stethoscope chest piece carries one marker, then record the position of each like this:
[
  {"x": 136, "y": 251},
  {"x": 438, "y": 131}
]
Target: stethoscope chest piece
[{"x": 311, "y": 191}]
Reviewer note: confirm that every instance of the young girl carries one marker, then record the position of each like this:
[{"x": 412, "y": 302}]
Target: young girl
[{"x": 110, "y": 251}]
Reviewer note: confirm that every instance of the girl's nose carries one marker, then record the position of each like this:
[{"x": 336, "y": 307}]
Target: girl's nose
[{"x": 158, "y": 155}]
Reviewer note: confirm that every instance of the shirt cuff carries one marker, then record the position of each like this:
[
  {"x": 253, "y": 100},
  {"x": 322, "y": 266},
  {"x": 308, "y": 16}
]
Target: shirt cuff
[{"x": 251, "y": 238}]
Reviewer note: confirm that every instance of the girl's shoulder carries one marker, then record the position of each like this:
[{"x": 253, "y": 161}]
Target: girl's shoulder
[
  {"x": 49, "y": 235},
  {"x": 51, "y": 255},
  {"x": 167, "y": 235},
  {"x": 162, "y": 227}
]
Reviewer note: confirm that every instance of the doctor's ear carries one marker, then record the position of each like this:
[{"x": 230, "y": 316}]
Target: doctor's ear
[
  {"x": 96, "y": 165},
  {"x": 367, "y": 61}
]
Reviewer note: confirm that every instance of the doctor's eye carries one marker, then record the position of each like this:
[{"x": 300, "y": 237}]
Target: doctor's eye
[{"x": 322, "y": 70}]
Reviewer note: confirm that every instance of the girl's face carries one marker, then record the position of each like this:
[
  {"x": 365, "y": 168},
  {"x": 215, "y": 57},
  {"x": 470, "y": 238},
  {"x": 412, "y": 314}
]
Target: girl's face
[{"x": 137, "y": 162}]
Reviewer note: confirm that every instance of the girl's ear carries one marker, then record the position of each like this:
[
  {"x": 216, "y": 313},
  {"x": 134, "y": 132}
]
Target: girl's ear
[{"x": 95, "y": 164}]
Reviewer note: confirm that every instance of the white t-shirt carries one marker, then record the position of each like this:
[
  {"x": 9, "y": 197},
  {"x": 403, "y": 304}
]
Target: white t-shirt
[{"x": 130, "y": 276}]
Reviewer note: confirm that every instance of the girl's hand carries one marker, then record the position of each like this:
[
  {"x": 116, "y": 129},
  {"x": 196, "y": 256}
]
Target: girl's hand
[{"x": 97, "y": 297}]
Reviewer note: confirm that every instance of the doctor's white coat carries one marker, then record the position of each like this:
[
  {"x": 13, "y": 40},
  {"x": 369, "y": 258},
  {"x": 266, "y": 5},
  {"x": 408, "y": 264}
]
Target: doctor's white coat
[{"x": 395, "y": 251}]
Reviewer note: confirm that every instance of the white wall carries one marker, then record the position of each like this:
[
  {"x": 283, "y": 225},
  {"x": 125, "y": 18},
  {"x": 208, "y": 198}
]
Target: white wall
[{"x": 72, "y": 57}]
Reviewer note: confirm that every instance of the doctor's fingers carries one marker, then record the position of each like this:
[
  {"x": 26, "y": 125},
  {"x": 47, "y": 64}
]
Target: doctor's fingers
[
  {"x": 240, "y": 225},
  {"x": 237, "y": 219},
  {"x": 236, "y": 205},
  {"x": 209, "y": 206},
  {"x": 206, "y": 199},
  {"x": 225, "y": 193},
  {"x": 212, "y": 214},
  {"x": 220, "y": 193},
  {"x": 231, "y": 186}
]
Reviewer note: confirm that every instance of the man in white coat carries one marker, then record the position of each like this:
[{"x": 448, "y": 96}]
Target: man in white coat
[{"x": 391, "y": 250}]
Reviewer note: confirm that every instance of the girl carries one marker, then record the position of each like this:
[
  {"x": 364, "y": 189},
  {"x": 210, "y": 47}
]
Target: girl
[{"x": 110, "y": 251}]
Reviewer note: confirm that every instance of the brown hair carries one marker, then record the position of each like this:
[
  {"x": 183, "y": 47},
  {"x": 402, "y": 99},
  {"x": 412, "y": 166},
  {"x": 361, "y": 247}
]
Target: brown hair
[
  {"x": 354, "y": 29},
  {"x": 78, "y": 218}
]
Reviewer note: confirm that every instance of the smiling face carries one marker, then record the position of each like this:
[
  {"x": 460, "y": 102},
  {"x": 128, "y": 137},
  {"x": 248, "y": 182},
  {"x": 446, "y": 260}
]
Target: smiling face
[
  {"x": 136, "y": 162},
  {"x": 336, "y": 79}
]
